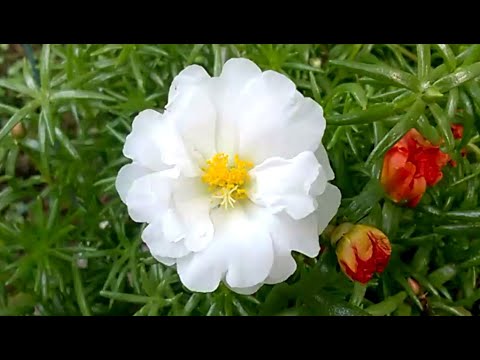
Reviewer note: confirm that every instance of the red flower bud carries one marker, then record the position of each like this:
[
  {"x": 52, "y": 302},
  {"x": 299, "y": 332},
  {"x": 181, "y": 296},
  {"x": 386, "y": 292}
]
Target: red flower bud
[
  {"x": 361, "y": 251},
  {"x": 411, "y": 165},
  {"x": 457, "y": 130}
]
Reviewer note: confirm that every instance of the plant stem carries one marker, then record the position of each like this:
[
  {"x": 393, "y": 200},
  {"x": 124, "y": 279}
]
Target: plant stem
[{"x": 358, "y": 293}]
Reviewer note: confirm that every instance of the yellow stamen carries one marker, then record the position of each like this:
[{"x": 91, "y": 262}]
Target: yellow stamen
[{"x": 227, "y": 182}]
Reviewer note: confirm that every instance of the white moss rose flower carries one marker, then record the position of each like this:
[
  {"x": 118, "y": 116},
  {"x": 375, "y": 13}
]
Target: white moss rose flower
[{"x": 231, "y": 178}]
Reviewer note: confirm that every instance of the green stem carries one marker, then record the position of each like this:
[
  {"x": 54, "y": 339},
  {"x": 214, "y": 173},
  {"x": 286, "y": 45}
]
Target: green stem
[{"x": 358, "y": 293}]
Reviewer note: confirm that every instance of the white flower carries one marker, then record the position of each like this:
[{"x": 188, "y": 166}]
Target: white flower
[{"x": 231, "y": 178}]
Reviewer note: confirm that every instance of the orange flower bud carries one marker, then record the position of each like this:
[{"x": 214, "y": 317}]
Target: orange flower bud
[
  {"x": 18, "y": 131},
  {"x": 411, "y": 165},
  {"x": 361, "y": 251},
  {"x": 414, "y": 285}
]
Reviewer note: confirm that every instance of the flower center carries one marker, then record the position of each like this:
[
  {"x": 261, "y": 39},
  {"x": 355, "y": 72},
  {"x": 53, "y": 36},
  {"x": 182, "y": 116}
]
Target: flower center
[{"x": 226, "y": 181}]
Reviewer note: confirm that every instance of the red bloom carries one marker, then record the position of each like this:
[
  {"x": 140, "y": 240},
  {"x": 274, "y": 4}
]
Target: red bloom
[
  {"x": 411, "y": 165},
  {"x": 362, "y": 251}
]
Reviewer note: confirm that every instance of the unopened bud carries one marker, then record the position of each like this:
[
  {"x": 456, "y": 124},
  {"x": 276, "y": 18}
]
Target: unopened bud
[
  {"x": 18, "y": 131},
  {"x": 362, "y": 251}
]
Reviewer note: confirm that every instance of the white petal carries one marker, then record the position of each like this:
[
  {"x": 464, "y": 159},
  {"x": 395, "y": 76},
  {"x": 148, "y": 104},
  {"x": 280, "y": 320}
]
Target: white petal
[
  {"x": 228, "y": 90},
  {"x": 142, "y": 145},
  {"x": 247, "y": 290},
  {"x": 201, "y": 272},
  {"x": 283, "y": 267},
  {"x": 165, "y": 260},
  {"x": 150, "y": 196},
  {"x": 126, "y": 176},
  {"x": 328, "y": 204},
  {"x": 297, "y": 235},
  {"x": 159, "y": 244},
  {"x": 194, "y": 115},
  {"x": 276, "y": 120},
  {"x": 241, "y": 251},
  {"x": 323, "y": 159},
  {"x": 156, "y": 144},
  {"x": 172, "y": 225},
  {"x": 282, "y": 184},
  {"x": 191, "y": 75},
  {"x": 250, "y": 249},
  {"x": 192, "y": 203}
]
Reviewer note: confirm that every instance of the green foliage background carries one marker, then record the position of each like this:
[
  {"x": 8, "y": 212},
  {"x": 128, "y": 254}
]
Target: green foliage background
[{"x": 68, "y": 247}]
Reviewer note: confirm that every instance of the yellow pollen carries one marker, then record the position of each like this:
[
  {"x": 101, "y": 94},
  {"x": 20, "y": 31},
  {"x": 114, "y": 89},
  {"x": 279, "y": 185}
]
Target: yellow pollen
[{"x": 226, "y": 182}]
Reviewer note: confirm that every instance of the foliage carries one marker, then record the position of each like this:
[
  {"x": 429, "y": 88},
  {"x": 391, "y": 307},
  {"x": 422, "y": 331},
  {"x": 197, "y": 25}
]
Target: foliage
[{"x": 68, "y": 247}]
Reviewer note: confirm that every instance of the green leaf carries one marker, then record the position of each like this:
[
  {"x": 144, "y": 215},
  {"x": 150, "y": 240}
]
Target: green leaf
[
  {"x": 388, "y": 306},
  {"x": 458, "y": 229},
  {"x": 325, "y": 305},
  {"x": 134, "y": 63},
  {"x": 17, "y": 87},
  {"x": 45, "y": 67},
  {"x": 79, "y": 94},
  {"x": 427, "y": 130},
  {"x": 397, "y": 132},
  {"x": 459, "y": 77},
  {"x": 132, "y": 298},
  {"x": 277, "y": 299},
  {"x": 391, "y": 215},
  {"x": 361, "y": 204},
  {"x": 423, "y": 58},
  {"x": 191, "y": 303},
  {"x": 47, "y": 120},
  {"x": 27, "y": 76},
  {"x": 8, "y": 109},
  {"x": 453, "y": 310},
  {"x": 443, "y": 274},
  {"x": 315, "y": 89},
  {"x": 17, "y": 117},
  {"x": 66, "y": 143},
  {"x": 443, "y": 125},
  {"x": 217, "y": 62},
  {"x": 471, "y": 55},
  {"x": 452, "y": 103},
  {"x": 381, "y": 73},
  {"x": 79, "y": 292},
  {"x": 374, "y": 113},
  {"x": 448, "y": 56},
  {"x": 473, "y": 89},
  {"x": 353, "y": 88}
]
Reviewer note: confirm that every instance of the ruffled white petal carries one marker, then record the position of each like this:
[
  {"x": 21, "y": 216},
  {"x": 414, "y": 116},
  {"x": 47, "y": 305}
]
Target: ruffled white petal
[
  {"x": 160, "y": 245},
  {"x": 191, "y": 75},
  {"x": 248, "y": 290},
  {"x": 166, "y": 260},
  {"x": 283, "y": 267},
  {"x": 126, "y": 176},
  {"x": 322, "y": 156},
  {"x": 143, "y": 144},
  {"x": 297, "y": 235},
  {"x": 192, "y": 203},
  {"x": 228, "y": 91},
  {"x": 241, "y": 251},
  {"x": 282, "y": 184},
  {"x": 276, "y": 120},
  {"x": 150, "y": 195},
  {"x": 328, "y": 204},
  {"x": 194, "y": 115}
]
